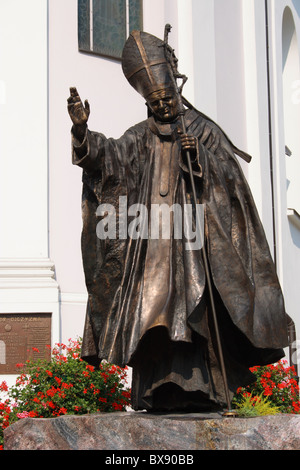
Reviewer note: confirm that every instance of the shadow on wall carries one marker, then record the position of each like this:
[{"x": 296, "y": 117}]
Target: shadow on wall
[{"x": 295, "y": 232}]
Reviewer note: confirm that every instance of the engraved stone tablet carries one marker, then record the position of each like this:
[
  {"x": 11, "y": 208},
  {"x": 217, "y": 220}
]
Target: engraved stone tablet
[{"x": 23, "y": 336}]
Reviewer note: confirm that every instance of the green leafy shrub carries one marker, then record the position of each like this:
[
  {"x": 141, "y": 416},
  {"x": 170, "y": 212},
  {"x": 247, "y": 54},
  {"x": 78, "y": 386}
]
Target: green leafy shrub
[{"x": 64, "y": 385}]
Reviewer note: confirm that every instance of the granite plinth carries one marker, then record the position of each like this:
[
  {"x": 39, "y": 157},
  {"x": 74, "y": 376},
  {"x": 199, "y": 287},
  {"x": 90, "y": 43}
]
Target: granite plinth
[{"x": 144, "y": 431}]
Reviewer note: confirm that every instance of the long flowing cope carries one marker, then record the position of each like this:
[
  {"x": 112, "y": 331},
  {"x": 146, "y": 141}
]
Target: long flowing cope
[{"x": 147, "y": 299}]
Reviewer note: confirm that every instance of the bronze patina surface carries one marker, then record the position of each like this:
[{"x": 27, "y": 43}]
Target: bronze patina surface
[{"x": 153, "y": 302}]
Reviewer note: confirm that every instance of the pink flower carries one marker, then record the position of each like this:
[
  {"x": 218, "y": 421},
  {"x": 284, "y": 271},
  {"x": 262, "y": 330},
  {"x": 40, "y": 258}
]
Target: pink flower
[{"x": 24, "y": 414}]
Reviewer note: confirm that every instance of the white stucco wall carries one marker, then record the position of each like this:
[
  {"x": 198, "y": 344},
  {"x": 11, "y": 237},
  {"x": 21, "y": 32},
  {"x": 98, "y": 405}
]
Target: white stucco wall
[
  {"x": 23, "y": 124},
  {"x": 27, "y": 283}
]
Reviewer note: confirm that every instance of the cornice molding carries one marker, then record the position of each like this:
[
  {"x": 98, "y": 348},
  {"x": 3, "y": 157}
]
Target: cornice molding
[{"x": 27, "y": 273}]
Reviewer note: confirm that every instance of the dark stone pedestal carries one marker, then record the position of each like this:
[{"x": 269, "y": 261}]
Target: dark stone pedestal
[{"x": 144, "y": 431}]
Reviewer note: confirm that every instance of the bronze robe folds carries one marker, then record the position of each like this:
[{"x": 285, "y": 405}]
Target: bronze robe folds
[{"x": 148, "y": 305}]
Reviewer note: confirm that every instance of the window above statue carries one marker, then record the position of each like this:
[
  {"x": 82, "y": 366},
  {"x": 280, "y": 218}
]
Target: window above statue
[{"x": 104, "y": 25}]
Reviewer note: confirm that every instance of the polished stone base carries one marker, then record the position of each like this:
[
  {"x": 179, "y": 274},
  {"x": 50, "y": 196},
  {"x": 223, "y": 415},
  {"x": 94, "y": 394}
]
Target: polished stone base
[{"x": 144, "y": 431}]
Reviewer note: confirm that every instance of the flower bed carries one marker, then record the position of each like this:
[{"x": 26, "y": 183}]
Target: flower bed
[
  {"x": 64, "y": 385},
  {"x": 68, "y": 385}
]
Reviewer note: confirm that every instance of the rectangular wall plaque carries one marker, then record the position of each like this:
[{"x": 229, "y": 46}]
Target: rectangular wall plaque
[{"x": 23, "y": 336}]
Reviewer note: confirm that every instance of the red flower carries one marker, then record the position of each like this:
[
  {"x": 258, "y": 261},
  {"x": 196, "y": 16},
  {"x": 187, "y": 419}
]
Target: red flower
[
  {"x": 268, "y": 391},
  {"x": 268, "y": 375},
  {"x": 3, "y": 387},
  {"x": 296, "y": 406},
  {"x": 51, "y": 392},
  {"x": 117, "y": 407},
  {"x": 51, "y": 404},
  {"x": 282, "y": 386},
  {"x": 65, "y": 385}
]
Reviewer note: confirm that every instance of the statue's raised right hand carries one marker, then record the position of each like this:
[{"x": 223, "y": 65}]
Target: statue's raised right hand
[{"x": 78, "y": 113}]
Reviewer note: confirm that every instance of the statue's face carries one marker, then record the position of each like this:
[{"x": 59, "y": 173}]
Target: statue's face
[{"x": 164, "y": 105}]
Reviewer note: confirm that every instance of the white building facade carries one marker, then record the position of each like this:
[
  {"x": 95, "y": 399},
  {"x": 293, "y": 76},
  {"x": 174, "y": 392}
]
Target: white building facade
[{"x": 242, "y": 59}]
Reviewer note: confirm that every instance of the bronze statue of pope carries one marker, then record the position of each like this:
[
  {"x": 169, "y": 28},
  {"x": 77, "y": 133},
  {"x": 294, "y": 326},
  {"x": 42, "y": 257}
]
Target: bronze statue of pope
[{"x": 148, "y": 303}]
